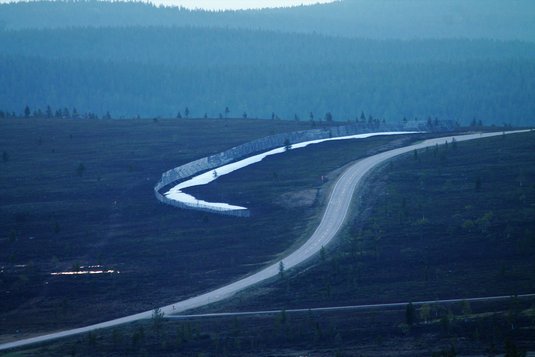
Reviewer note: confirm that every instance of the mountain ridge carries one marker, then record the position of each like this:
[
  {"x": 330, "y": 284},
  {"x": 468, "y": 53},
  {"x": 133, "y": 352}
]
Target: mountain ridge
[{"x": 377, "y": 19}]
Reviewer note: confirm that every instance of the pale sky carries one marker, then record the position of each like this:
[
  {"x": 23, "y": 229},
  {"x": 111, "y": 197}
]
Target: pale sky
[{"x": 235, "y": 4}]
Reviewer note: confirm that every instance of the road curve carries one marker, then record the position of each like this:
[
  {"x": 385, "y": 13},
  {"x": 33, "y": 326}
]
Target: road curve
[{"x": 333, "y": 219}]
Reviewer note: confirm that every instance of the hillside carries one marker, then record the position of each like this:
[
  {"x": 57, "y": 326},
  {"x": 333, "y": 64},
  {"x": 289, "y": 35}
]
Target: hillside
[
  {"x": 161, "y": 71},
  {"x": 450, "y": 222},
  {"x": 374, "y": 19},
  {"x": 78, "y": 194},
  {"x": 213, "y": 47},
  {"x": 447, "y": 236},
  {"x": 106, "y": 105},
  {"x": 455, "y": 60}
]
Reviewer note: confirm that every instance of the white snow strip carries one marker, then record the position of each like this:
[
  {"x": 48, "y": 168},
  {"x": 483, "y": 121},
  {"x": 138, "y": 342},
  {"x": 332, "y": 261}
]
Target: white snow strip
[{"x": 177, "y": 194}]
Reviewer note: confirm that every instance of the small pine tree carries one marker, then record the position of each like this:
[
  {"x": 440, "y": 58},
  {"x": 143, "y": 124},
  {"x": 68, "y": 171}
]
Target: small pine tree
[
  {"x": 410, "y": 314},
  {"x": 157, "y": 319},
  {"x": 466, "y": 308},
  {"x": 49, "y": 113},
  {"x": 283, "y": 317},
  {"x": 137, "y": 337},
  {"x": 91, "y": 339},
  {"x": 287, "y": 144}
]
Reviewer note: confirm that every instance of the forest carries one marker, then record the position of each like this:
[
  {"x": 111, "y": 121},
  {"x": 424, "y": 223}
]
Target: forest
[
  {"x": 158, "y": 71},
  {"x": 455, "y": 60},
  {"x": 373, "y": 19}
]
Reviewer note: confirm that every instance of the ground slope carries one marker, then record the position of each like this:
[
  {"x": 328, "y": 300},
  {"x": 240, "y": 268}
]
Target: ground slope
[
  {"x": 79, "y": 193},
  {"x": 454, "y": 221},
  {"x": 444, "y": 330}
]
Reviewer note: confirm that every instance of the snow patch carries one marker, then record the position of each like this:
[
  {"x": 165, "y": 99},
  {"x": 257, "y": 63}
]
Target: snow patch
[{"x": 176, "y": 193}]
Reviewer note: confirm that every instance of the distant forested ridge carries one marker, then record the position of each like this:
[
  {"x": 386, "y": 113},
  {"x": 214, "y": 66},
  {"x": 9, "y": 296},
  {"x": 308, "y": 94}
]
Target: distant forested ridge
[
  {"x": 207, "y": 47},
  {"x": 162, "y": 70},
  {"x": 374, "y": 19},
  {"x": 492, "y": 92}
]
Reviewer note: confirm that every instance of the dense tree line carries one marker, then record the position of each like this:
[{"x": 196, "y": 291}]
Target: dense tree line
[
  {"x": 204, "y": 47},
  {"x": 364, "y": 122},
  {"x": 159, "y": 71},
  {"x": 49, "y": 113},
  {"x": 492, "y": 91}
]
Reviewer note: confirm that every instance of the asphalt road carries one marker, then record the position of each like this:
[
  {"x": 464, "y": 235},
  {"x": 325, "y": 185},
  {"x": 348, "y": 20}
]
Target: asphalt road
[
  {"x": 333, "y": 219},
  {"x": 395, "y": 305}
]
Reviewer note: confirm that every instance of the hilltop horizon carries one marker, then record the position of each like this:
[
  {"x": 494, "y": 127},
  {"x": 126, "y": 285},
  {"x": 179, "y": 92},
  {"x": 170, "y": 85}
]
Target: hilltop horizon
[
  {"x": 377, "y": 19},
  {"x": 208, "y": 5}
]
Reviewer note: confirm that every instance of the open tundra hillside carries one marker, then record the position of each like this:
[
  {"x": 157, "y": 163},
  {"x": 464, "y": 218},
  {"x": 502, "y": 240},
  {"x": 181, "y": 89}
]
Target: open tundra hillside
[
  {"x": 454, "y": 221},
  {"x": 77, "y": 196},
  {"x": 451, "y": 222},
  {"x": 117, "y": 115}
]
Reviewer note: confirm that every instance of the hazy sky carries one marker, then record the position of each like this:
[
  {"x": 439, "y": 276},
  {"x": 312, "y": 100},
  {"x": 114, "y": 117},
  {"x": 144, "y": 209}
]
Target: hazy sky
[
  {"x": 236, "y": 4},
  {"x": 224, "y": 4}
]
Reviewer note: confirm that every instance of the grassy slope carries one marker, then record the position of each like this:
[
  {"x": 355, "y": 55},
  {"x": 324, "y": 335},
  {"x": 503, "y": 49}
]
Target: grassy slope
[
  {"x": 425, "y": 231},
  {"x": 53, "y": 219},
  {"x": 468, "y": 330},
  {"x": 483, "y": 329}
]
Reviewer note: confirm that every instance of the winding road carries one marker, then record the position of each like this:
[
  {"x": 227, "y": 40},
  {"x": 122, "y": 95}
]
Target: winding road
[{"x": 334, "y": 217}]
